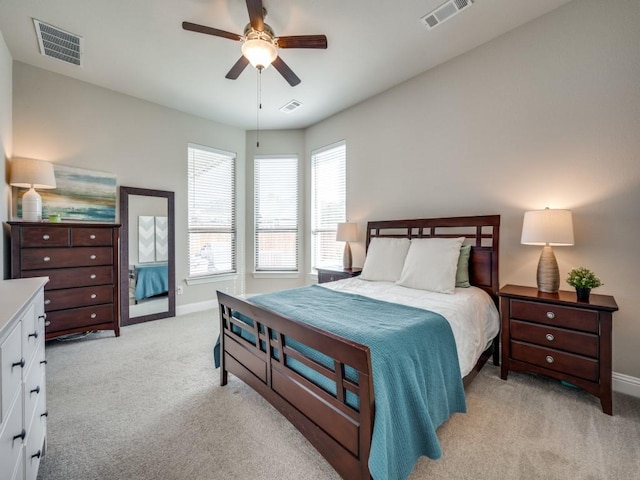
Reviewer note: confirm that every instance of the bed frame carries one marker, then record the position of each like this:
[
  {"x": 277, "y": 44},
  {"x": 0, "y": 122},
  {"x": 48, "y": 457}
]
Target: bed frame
[{"x": 339, "y": 432}]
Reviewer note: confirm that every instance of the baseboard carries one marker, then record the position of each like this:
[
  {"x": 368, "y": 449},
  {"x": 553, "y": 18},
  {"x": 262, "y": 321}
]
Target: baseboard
[
  {"x": 626, "y": 384},
  {"x": 196, "y": 307}
]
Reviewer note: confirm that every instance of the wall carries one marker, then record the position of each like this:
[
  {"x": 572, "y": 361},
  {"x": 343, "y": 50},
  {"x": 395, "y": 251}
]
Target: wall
[
  {"x": 274, "y": 142},
  {"x": 546, "y": 115},
  {"x": 6, "y": 134},
  {"x": 70, "y": 122}
]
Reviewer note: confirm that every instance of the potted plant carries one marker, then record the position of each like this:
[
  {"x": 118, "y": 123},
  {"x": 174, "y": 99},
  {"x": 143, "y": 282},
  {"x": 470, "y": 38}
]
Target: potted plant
[{"x": 583, "y": 280}]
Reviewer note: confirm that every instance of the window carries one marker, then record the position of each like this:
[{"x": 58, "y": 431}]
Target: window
[
  {"x": 276, "y": 213},
  {"x": 212, "y": 207},
  {"x": 328, "y": 203}
]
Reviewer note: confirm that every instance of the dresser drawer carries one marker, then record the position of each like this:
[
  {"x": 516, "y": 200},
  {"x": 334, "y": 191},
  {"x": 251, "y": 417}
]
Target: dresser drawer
[
  {"x": 34, "y": 386},
  {"x": 568, "y": 340},
  {"x": 11, "y": 449},
  {"x": 35, "y": 440},
  {"x": 551, "y": 359},
  {"x": 555, "y": 315},
  {"x": 10, "y": 369},
  {"x": 79, "y": 317},
  {"x": 74, "y": 277},
  {"x": 40, "y": 258},
  {"x": 77, "y": 297},
  {"x": 45, "y": 237},
  {"x": 88, "y": 236}
]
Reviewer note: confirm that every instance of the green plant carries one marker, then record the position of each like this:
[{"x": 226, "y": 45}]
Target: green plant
[{"x": 582, "y": 277}]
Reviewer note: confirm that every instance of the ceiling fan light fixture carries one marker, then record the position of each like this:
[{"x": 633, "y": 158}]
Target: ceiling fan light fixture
[{"x": 260, "y": 53}]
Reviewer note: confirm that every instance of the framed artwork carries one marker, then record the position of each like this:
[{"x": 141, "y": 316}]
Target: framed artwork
[
  {"x": 146, "y": 239},
  {"x": 162, "y": 239},
  {"x": 80, "y": 195}
]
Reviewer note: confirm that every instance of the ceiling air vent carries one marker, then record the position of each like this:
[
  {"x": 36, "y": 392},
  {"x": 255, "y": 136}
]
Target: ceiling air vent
[
  {"x": 444, "y": 12},
  {"x": 58, "y": 44},
  {"x": 291, "y": 106}
]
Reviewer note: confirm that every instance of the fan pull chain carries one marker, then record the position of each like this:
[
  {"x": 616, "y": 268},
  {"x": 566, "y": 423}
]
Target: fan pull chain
[{"x": 259, "y": 94}]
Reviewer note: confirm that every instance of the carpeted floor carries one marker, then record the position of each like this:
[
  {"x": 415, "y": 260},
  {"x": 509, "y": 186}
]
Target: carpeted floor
[{"x": 148, "y": 406}]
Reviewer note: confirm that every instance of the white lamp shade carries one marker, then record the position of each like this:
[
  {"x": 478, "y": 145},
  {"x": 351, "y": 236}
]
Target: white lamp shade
[
  {"x": 547, "y": 227},
  {"x": 260, "y": 53},
  {"x": 28, "y": 173},
  {"x": 347, "y": 232}
]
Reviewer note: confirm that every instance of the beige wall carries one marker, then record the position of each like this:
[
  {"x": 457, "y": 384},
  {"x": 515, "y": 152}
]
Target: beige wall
[
  {"x": 6, "y": 136},
  {"x": 546, "y": 115},
  {"x": 63, "y": 120}
]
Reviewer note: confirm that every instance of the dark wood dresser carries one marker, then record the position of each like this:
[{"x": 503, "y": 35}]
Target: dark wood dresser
[
  {"x": 81, "y": 261},
  {"x": 555, "y": 335}
]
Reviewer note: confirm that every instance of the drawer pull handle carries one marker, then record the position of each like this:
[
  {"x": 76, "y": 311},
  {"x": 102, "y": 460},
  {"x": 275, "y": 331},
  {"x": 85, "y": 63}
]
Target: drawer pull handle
[
  {"x": 43, "y": 362},
  {"x": 18, "y": 364},
  {"x": 21, "y": 435},
  {"x": 45, "y": 414},
  {"x": 45, "y": 237},
  {"x": 551, "y": 315},
  {"x": 93, "y": 276},
  {"x": 93, "y": 315},
  {"x": 42, "y": 317},
  {"x": 36, "y": 390},
  {"x": 550, "y": 337},
  {"x": 92, "y": 236},
  {"x": 93, "y": 296},
  {"x": 47, "y": 301},
  {"x": 47, "y": 259},
  {"x": 550, "y": 359},
  {"x": 34, "y": 335},
  {"x": 38, "y": 454},
  {"x": 46, "y": 324},
  {"x": 92, "y": 257}
]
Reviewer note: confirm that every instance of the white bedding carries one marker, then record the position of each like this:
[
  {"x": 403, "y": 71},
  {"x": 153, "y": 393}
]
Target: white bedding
[{"x": 471, "y": 313}]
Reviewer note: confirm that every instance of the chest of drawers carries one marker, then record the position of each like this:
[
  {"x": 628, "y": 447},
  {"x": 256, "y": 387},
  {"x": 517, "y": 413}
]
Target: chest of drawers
[
  {"x": 23, "y": 409},
  {"x": 81, "y": 261},
  {"x": 555, "y": 335}
]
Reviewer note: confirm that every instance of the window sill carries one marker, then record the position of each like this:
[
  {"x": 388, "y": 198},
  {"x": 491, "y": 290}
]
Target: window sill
[
  {"x": 211, "y": 279},
  {"x": 276, "y": 274}
]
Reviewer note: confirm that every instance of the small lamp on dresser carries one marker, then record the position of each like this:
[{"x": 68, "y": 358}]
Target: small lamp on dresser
[
  {"x": 30, "y": 173},
  {"x": 347, "y": 232},
  {"x": 547, "y": 228}
]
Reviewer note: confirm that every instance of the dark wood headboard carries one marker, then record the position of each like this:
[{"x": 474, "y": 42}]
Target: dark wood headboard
[{"x": 482, "y": 232}]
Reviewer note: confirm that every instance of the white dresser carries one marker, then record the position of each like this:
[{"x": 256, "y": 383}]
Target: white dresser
[{"x": 23, "y": 409}]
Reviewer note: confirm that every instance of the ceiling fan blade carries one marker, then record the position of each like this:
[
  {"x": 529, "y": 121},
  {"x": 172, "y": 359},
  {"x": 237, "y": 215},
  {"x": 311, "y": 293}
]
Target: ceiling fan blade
[
  {"x": 194, "y": 27},
  {"x": 256, "y": 14},
  {"x": 237, "y": 68},
  {"x": 303, "y": 41},
  {"x": 285, "y": 71}
]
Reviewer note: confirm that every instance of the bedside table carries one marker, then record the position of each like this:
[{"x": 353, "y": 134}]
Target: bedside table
[
  {"x": 553, "y": 334},
  {"x": 337, "y": 273}
]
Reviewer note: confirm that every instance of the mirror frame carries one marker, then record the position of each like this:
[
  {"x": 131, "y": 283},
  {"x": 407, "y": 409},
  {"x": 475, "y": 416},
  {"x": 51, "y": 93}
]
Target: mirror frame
[{"x": 125, "y": 319}]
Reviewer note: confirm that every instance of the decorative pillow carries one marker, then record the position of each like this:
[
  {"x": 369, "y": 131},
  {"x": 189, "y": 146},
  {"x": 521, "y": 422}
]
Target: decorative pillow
[
  {"x": 462, "y": 273},
  {"x": 431, "y": 264},
  {"x": 385, "y": 258}
]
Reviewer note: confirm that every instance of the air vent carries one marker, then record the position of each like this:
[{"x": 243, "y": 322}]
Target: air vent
[
  {"x": 58, "y": 44},
  {"x": 291, "y": 106},
  {"x": 444, "y": 12}
]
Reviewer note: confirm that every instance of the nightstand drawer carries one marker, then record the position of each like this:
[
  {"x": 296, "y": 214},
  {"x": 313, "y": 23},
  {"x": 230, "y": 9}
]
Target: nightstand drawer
[
  {"x": 559, "y": 316},
  {"x": 546, "y": 336},
  {"x": 551, "y": 359},
  {"x": 324, "y": 277}
]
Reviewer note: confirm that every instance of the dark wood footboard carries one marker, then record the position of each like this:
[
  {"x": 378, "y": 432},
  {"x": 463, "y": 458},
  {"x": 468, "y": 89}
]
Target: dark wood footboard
[{"x": 338, "y": 430}]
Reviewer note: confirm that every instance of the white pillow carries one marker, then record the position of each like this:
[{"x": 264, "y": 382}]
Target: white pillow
[
  {"x": 385, "y": 259},
  {"x": 431, "y": 264}
]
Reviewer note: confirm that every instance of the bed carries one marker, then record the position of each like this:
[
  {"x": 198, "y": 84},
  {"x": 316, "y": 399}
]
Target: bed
[
  {"x": 323, "y": 382},
  {"x": 150, "y": 280}
]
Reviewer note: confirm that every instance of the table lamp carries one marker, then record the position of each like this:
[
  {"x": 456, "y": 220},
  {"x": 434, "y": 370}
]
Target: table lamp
[
  {"x": 347, "y": 232},
  {"x": 30, "y": 173},
  {"x": 548, "y": 228}
]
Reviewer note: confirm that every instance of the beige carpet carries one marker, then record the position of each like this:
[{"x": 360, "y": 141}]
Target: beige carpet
[{"x": 148, "y": 406}]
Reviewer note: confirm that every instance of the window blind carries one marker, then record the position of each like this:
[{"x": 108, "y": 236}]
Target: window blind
[
  {"x": 328, "y": 203},
  {"x": 276, "y": 213},
  {"x": 211, "y": 211}
]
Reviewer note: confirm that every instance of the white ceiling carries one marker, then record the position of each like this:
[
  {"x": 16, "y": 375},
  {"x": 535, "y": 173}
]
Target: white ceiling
[{"x": 138, "y": 47}]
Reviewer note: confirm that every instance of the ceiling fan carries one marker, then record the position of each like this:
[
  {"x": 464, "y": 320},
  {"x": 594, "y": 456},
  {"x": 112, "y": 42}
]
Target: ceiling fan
[{"x": 260, "y": 45}]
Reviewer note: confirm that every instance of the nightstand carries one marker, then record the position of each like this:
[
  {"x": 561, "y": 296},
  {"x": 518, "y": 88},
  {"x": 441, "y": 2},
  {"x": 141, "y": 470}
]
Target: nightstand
[
  {"x": 553, "y": 334},
  {"x": 337, "y": 273}
]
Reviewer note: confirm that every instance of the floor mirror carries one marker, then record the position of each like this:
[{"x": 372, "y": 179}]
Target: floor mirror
[{"x": 147, "y": 255}]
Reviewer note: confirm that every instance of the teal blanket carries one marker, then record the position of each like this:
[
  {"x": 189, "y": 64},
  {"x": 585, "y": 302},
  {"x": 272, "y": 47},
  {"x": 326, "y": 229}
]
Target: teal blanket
[{"x": 416, "y": 374}]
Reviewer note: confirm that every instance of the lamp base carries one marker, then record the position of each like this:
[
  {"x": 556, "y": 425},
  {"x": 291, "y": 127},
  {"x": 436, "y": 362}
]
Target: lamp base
[
  {"x": 346, "y": 256},
  {"x": 548, "y": 275},
  {"x": 31, "y": 206}
]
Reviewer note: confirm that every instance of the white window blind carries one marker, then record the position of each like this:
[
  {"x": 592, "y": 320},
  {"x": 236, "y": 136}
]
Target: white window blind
[
  {"x": 328, "y": 203},
  {"x": 276, "y": 213},
  {"x": 212, "y": 211}
]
